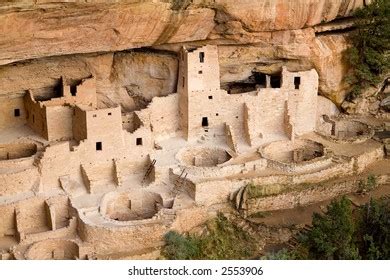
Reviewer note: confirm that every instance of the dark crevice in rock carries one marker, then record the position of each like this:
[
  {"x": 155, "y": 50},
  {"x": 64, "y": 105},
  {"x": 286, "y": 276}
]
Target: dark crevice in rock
[
  {"x": 344, "y": 31},
  {"x": 134, "y": 92},
  {"x": 178, "y": 5}
]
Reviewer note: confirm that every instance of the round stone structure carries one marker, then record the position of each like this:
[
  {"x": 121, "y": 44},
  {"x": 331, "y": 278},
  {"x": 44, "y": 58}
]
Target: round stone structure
[
  {"x": 130, "y": 205},
  {"x": 53, "y": 249},
  {"x": 17, "y": 150},
  {"x": 203, "y": 156},
  {"x": 345, "y": 130},
  {"x": 298, "y": 151}
]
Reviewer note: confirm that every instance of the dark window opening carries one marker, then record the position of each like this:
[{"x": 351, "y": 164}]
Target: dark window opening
[
  {"x": 17, "y": 112},
  {"x": 240, "y": 87},
  {"x": 297, "y": 82},
  {"x": 250, "y": 84},
  {"x": 184, "y": 80},
  {"x": 50, "y": 93},
  {"x": 210, "y": 97},
  {"x": 138, "y": 141},
  {"x": 217, "y": 114},
  {"x": 99, "y": 146},
  {"x": 260, "y": 79},
  {"x": 276, "y": 81},
  {"x": 73, "y": 90},
  {"x": 201, "y": 57},
  {"x": 205, "y": 122},
  {"x": 94, "y": 116},
  {"x": 110, "y": 114},
  {"x": 200, "y": 72}
]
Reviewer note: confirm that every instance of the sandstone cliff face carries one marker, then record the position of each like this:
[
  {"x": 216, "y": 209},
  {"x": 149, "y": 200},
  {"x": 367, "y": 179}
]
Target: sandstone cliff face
[{"x": 253, "y": 35}]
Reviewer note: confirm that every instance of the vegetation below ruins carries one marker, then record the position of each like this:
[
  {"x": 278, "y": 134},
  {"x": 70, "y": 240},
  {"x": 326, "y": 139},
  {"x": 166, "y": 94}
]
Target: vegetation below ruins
[
  {"x": 345, "y": 233},
  {"x": 370, "y": 43},
  {"x": 223, "y": 240}
]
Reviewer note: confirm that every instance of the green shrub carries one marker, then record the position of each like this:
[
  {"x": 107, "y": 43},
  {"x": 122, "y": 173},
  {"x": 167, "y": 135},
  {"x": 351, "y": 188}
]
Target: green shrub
[
  {"x": 368, "y": 55},
  {"x": 369, "y": 184},
  {"x": 224, "y": 240},
  {"x": 180, "y": 247},
  {"x": 332, "y": 234}
]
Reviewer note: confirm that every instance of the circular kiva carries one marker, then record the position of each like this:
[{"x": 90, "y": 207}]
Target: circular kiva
[
  {"x": 130, "y": 205},
  {"x": 297, "y": 151},
  {"x": 53, "y": 249},
  {"x": 344, "y": 130},
  {"x": 203, "y": 156},
  {"x": 17, "y": 150}
]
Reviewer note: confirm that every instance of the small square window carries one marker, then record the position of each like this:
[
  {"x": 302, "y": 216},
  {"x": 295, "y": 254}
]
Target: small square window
[
  {"x": 139, "y": 141},
  {"x": 217, "y": 114},
  {"x": 94, "y": 116},
  {"x": 210, "y": 97},
  {"x": 99, "y": 146},
  {"x": 109, "y": 114},
  {"x": 200, "y": 72},
  {"x": 17, "y": 112}
]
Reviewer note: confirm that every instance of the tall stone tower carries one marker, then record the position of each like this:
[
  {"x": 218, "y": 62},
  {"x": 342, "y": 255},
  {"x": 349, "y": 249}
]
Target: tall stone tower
[{"x": 198, "y": 76}]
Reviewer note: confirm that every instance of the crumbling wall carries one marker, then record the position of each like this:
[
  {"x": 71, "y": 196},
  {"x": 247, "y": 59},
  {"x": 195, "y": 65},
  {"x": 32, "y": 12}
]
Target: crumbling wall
[
  {"x": 99, "y": 175},
  {"x": 32, "y": 217},
  {"x": 230, "y": 138},
  {"x": 18, "y": 181},
  {"x": 59, "y": 123},
  {"x": 83, "y": 94},
  {"x": 289, "y": 200},
  {"x": 126, "y": 166},
  {"x": 12, "y": 111},
  {"x": 8, "y": 220},
  {"x": 59, "y": 206},
  {"x": 164, "y": 115},
  {"x": 364, "y": 160},
  {"x": 105, "y": 240},
  {"x": 36, "y": 115},
  {"x": 53, "y": 167}
]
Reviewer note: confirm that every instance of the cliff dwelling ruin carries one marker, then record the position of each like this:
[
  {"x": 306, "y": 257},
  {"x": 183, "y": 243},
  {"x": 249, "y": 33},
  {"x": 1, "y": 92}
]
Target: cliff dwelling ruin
[{"x": 82, "y": 181}]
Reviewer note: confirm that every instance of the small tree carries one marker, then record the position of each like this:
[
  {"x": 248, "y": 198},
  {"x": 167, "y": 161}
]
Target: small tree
[
  {"x": 368, "y": 55},
  {"x": 375, "y": 230},
  {"x": 181, "y": 247},
  {"x": 332, "y": 235}
]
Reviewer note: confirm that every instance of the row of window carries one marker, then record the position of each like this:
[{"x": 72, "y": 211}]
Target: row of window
[
  {"x": 99, "y": 145},
  {"x": 109, "y": 114}
]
